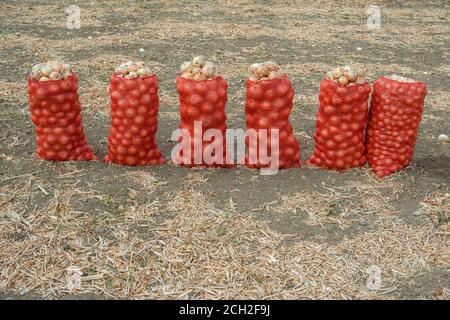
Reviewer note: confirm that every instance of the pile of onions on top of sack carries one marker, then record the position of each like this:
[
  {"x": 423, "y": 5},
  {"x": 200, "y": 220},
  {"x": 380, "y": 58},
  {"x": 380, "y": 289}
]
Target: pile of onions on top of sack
[
  {"x": 347, "y": 76},
  {"x": 133, "y": 70},
  {"x": 265, "y": 71},
  {"x": 198, "y": 69},
  {"x": 50, "y": 70}
]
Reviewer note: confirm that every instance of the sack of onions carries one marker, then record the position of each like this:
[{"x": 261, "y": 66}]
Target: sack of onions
[
  {"x": 395, "y": 113},
  {"x": 268, "y": 106},
  {"x": 203, "y": 96},
  {"x": 55, "y": 111},
  {"x": 134, "y": 116},
  {"x": 341, "y": 119}
]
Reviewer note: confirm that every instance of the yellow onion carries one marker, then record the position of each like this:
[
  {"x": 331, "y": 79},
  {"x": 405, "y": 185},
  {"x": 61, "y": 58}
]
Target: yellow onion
[
  {"x": 342, "y": 80},
  {"x": 208, "y": 69},
  {"x": 187, "y": 75},
  {"x": 274, "y": 75},
  {"x": 198, "y": 61},
  {"x": 55, "y": 76},
  {"x": 262, "y": 71},
  {"x": 141, "y": 72},
  {"x": 196, "y": 70},
  {"x": 132, "y": 75},
  {"x": 351, "y": 76},
  {"x": 199, "y": 76},
  {"x": 271, "y": 66},
  {"x": 57, "y": 67}
]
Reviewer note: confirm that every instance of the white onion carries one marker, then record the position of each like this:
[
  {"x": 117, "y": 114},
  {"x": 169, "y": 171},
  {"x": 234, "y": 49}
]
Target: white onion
[
  {"x": 186, "y": 66},
  {"x": 198, "y": 61},
  {"x": 347, "y": 75},
  {"x": 50, "y": 70},
  {"x": 443, "y": 138},
  {"x": 198, "y": 69},
  {"x": 132, "y": 70},
  {"x": 55, "y": 76},
  {"x": 264, "y": 71},
  {"x": 400, "y": 78}
]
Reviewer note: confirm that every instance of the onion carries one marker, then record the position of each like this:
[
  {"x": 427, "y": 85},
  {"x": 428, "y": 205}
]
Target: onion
[
  {"x": 198, "y": 69},
  {"x": 199, "y": 76},
  {"x": 265, "y": 71},
  {"x": 400, "y": 78},
  {"x": 142, "y": 72},
  {"x": 51, "y": 70},
  {"x": 55, "y": 76},
  {"x": 187, "y": 75},
  {"x": 346, "y": 75},
  {"x": 208, "y": 69},
  {"x": 57, "y": 67},
  {"x": 186, "y": 66},
  {"x": 198, "y": 61},
  {"x": 342, "y": 80},
  {"x": 274, "y": 75},
  {"x": 253, "y": 67},
  {"x": 46, "y": 70},
  {"x": 271, "y": 66},
  {"x": 133, "y": 68}
]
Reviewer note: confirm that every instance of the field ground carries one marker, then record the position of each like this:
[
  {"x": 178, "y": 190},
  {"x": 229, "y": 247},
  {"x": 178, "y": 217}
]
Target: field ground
[{"x": 170, "y": 232}]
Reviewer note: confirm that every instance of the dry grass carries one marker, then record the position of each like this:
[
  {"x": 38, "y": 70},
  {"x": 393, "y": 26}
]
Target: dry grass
[{"x": 199, "y": 251}]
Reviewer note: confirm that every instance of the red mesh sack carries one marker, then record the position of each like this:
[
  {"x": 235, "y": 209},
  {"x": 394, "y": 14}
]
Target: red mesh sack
[
  {"x": 134, "y": 121},
  {"x": 55, "y": 110},
  {"x": 268, "y": 106},
  {"x": 340, "y": 123},
  {"x": 202, "y": 100},
  {"x": 395, "y": 113}
]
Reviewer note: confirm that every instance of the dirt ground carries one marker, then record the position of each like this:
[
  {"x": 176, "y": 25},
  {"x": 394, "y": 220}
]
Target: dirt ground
[{"x": 92, "y": 230}]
